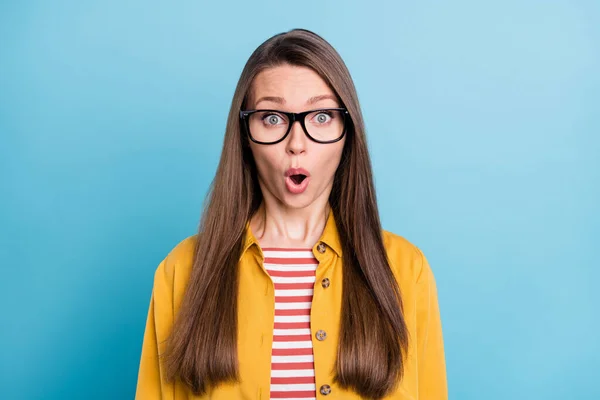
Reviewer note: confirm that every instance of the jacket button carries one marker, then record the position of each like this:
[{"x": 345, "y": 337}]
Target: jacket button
[
  {"x": 325, "y": 283},
  {"x": 321, "y": 248},
  {"x": 325, "y": 390},
  {"x": 321, "y": 334}
]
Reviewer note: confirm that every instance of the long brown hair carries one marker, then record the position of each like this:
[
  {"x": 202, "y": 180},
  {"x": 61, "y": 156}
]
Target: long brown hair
[{"x": 373, "y": 335}]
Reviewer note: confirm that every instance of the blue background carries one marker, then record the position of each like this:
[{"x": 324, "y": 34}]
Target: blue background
[{"x": 483, "y": 125}]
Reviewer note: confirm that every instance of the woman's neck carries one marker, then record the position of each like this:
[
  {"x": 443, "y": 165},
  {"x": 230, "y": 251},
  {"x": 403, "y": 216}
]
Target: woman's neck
[{"x": 291, "y": 228}]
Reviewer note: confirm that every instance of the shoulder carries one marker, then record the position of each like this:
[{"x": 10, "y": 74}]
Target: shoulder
[
  {"x": 180, "y": 256},
  {"x": 173, "y": 272},
  {"x": 406, "y": 259}
]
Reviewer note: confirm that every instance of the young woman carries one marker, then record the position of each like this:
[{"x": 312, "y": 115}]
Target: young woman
[{"x": 291, "y": 289}]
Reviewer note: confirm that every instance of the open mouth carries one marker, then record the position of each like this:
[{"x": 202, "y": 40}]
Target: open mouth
[{"x": 297, "y": 179}]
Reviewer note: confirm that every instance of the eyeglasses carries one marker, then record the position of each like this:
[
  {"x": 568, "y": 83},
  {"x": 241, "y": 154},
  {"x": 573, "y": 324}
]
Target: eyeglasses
[{"x": 324, "y": 125}]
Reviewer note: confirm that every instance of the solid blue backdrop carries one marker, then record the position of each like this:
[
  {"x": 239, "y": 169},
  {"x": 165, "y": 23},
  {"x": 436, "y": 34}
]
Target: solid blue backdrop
[{"x": 483, "y": 125}]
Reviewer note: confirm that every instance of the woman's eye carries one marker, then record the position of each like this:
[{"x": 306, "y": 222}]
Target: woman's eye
[
  {"x": 322, "y": 118},
  {"x": 272, "y": 119}
]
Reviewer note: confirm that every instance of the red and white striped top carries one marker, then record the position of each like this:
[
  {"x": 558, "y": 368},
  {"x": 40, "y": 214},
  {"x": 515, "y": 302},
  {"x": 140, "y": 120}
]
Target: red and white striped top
[{"x": 292, "y": 362}]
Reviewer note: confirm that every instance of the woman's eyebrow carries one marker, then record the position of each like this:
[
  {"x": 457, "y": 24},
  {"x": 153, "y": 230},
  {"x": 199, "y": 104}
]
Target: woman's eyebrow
[
  {"x": 316, "y": 99},
  {"x": 312, "y": 100}
]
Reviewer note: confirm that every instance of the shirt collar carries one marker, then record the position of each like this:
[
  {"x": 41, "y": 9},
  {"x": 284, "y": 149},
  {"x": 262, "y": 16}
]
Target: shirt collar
[{"x": 330, "y": 235}]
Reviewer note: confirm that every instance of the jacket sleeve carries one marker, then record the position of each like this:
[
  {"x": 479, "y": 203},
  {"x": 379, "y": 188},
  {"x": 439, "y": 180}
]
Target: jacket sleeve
[
  {"x": 150, "y": 385},
  {"x": 431, "y": 364}
]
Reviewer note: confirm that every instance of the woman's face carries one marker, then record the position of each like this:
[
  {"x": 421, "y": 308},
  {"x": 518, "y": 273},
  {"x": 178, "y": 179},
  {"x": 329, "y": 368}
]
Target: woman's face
[{"x": 294, "y": 89}]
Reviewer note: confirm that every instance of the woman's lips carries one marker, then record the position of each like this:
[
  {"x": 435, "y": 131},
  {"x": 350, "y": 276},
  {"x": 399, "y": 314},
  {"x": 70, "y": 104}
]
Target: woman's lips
[
  {"x": 296, "y": 171},
  {"x": 296, "y": 188}
]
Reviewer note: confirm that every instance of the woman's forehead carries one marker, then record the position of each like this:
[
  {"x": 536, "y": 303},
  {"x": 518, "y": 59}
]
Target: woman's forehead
[{"x": 291, "y": 85}]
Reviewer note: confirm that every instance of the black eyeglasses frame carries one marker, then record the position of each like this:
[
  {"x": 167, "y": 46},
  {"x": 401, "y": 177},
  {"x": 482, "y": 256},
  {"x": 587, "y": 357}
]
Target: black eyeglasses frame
[{"x": 293, "y": 117}]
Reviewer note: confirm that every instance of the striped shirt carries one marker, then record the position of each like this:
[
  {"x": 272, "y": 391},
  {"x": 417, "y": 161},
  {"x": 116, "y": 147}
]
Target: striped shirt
[{"x": 292, "y": 362}]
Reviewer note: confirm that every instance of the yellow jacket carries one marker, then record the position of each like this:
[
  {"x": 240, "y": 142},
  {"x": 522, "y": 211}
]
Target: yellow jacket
[{"x": 425, "y": 369}]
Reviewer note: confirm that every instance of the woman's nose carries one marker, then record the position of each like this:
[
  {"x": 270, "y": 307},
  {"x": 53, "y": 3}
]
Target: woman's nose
[{"x": 297, "y": 139}]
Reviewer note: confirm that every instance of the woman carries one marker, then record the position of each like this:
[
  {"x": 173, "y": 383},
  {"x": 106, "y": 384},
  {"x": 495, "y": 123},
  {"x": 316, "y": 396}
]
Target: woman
[{"x": 292, "y": 289}]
